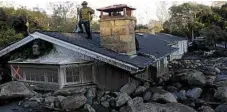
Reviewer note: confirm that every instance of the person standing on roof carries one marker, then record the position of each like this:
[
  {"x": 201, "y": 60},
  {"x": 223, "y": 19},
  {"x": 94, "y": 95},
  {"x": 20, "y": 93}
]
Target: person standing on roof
[{"x": 85, "y": 14}]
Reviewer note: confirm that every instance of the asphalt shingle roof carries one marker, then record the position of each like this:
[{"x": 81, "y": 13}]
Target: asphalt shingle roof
[
  {"x": 149, "y": 44},
  {"x": 169, "y": 38},
  {"x": 94, "y": 45}
]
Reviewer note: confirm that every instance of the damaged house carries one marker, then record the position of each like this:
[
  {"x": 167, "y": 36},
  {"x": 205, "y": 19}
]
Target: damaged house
[{"x": 112, "y": 58}]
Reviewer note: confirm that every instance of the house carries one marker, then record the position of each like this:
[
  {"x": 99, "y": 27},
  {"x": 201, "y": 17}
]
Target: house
[
  {"x": 176, "y": 42},
  {"x": 53, "y": 60}
]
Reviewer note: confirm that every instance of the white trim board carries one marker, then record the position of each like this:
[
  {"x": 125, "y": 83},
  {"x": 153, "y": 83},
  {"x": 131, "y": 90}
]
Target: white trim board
[{"x": 16, "y": 45}]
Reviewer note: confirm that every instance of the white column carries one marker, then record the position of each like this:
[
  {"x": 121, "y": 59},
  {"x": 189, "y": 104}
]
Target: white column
[{"x": 61, "y": 77}]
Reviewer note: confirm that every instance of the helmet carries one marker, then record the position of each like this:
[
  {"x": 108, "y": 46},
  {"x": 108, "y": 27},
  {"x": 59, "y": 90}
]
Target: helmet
[{"x": 84, "y": 3}]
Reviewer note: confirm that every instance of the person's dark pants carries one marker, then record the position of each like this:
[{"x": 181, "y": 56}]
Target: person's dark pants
[{"x": 87, "y": 28}]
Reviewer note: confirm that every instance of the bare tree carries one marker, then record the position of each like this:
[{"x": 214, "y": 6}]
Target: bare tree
[
  {"x": 162, "y": 11},
  {"x": 64, "y": 16},
  {"x": 218, "y": 3}
]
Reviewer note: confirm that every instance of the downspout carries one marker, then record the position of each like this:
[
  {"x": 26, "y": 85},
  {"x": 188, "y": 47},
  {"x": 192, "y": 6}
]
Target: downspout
[{"x": 133, "y": 75}]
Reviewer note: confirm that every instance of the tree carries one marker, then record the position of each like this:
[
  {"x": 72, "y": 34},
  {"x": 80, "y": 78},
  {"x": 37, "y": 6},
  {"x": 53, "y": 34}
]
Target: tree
[
  {"x": 218, "y": 3},
  {"x": 213, "y": 34},
  {"x": 162, "y": 11},
  {"x": 64, "y": 16},
  {"x": 187, "y": 19},
  {"x": 155, "y": 26}
]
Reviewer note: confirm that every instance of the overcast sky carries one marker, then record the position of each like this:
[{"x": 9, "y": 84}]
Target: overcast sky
[{"x": 145, "y": 9}]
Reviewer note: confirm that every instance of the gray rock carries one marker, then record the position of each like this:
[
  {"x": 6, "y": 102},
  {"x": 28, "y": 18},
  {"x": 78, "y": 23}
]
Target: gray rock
[
  {"x": 122, "y": 99},
  {"x": 156, "y": 107},
  {"x": 100, "y": 94},
  {"x": 90, "y": 95},
  {"x": 205, "y": 109},
  {"x": 146, "y": 84},
  {"x": 135, "y": 101},
  {"x": 181, "y": 95},
  {"x": 221, "y": 93},
  {"x": 62, "y": 92},
  {"x": 160, "y": 94},
  {"x": 140, "y": 90},
  {"x": 221, "y": 83},
  {"x": 171, "y": 89},
  {"x": 89, "y": 108},
  {"x": 37, "y": 99},
  {"x": 210, "y": 71},
  {"x": 114, "y": 110},
  {"x": 105, "y": 104},
  {"x": 74, "y": 102},
  {"x": 167, "y": 97},
  {"x": 58, "y": 100},
  {"x": 194, "y": 93},
  {"x": 194, "y": 77},
  {"x": 14, "y": 89},
  {"x": 221, "y": 108},
  {"x": 217, "y": 70},
  {"x": 30, "y": 104},
  {"x": 49, "y": 99},
  {"x": 210, "y": 80},
  {"x": 147, "y": 96},
  {"x": 128, "y": 88},
  {"x": 79, "y": 90}
]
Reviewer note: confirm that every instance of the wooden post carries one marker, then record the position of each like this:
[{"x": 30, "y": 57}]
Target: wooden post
[
  {"x": 61, "y": 77},
  {"x": 124, "y": 12},
  {"x": 101, "y": 14}
]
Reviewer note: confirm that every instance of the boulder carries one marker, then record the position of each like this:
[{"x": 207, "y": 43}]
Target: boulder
[
  {"x": 210, "y": 80},
  {"x": 156, "y": 107},
  {"x": 135, "y": 101},
  {"x": 205, "y": 109},
  {"x": 217, "y": 70},
  {"x": 221, "y": 78},
  {"x": 194, "y": 93},
  {"x": 210, "y": 71},
  {"x": 105, "y": 104},
  {"x": 49, "y": 99},
  {"x": 171, "y": 89},
  {"x": 90, "y": 95},
  {"x": 74, "y": 102},
  {"x": 30, "y": 104},
  {"x": 194, "y": 77},
  {"x": 14, "y": 89},
  {"x": 128, "y": 88},
  {"x": 89, "y": 108},
  {"x": 221, "y": 108},
  {"x": 140, "y": 90},
  {"x": 58, "y": 100},
  {"x": 37, "y": 99},
  {"x": 221, "y": 93},
  {"x": 181, "y": 95},
  {"x": 147, "y": 96},
  {"x": 122, "y": 99},
  {"x": 62, "y": 92},
  {"x": 133, "y": 105},
  {"x": 221, "y": 83},
  {"x": 160, "y": 94}
]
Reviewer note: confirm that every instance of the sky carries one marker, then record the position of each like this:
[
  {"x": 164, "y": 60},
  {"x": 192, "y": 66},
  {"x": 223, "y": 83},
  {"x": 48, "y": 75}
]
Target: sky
[{"x": 145, "y": 9}]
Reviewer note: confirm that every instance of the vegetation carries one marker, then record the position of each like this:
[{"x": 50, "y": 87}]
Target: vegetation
[
  {"x": 188, "y": 20},
  {"x": 196, "y": 20}
]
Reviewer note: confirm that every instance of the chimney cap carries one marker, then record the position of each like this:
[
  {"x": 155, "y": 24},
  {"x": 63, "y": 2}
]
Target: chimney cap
[{"x": 114, "y": 8}]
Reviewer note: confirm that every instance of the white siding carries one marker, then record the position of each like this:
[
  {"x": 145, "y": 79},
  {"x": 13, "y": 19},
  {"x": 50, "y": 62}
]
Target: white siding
[{"x": 182, "y": 49}]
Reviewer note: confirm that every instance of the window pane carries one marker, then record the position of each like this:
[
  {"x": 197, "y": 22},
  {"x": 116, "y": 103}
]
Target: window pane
[{"x": 72, "y": 74}]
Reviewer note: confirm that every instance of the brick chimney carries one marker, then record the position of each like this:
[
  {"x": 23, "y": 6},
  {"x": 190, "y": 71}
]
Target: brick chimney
[{"x": 117, "y": 29}]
